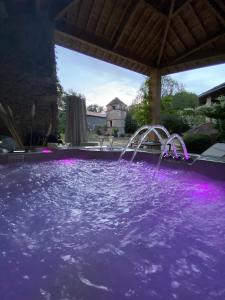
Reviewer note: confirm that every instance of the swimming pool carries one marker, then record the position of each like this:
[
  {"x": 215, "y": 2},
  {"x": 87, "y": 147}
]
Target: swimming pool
[{"x": 99, "y": 229}]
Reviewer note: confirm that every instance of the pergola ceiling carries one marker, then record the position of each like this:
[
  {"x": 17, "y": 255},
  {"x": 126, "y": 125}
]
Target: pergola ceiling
[{"x": 172, "y": 35}]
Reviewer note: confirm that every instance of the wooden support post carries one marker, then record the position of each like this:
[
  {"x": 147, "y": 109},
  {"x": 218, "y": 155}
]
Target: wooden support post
[{"x": 155, "y": 95}]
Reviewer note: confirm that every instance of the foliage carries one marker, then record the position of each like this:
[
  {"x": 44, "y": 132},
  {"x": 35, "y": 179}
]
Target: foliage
[
  {"x": 174, "y": 123},
  {"x": 59, "y": 89},
  {"x": 217, "y": 112},
  {"x": 100, "y": 130},
  {"x": 197, "y": 142},
  {"x": 142, "y": 107},
  {"x": 184, "y": 100},
  {"x": 182, "y": 105},
  {"x": 143, "y": 93},
  {"x": 166, "y": 104},
  {"x": 130, "y": 123},
  {"x": 170, "y": 86},
  {"x": 61, "y": 122},
  {"x": 191, "y": 116},
  {"x": 141, "y": 113},
  {"x": 95, "y": 108},
  {"x": 115, "y": 132}
]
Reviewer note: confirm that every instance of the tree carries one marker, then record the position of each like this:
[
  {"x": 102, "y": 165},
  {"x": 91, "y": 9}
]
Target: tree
[
  {"x": 142, "y": 103},
  {"x": 141, "y": 112},
  {"x": 95, "y": 108},
  {"x": 166, "y": 104},
  {"x": 170, "y": 86},
  {"x": 130, "y": 123},
  {"x": 184, "y": 100},
  {"x": 174, "y": 123},
  {"x": 217, "y": 112}
]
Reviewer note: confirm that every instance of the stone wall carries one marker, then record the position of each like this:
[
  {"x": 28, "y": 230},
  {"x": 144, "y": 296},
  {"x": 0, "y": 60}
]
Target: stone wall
[
  {"x": 94, "y": 122},
  {"x": 27, "y": 71},
  {"x": 116, "y": 119}
]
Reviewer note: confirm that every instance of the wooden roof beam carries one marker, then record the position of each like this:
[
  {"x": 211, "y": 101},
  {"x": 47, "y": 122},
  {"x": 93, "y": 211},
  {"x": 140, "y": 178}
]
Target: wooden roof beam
[
  {"x": 179, "y": 9},
  {"x": 154, "y": 8},
  {"x": 166, "y": 32},
  {"x": 69, "y": 4},
  {"x": 144, "y": 44},
  {"x": 125, "y": 20},
  {"x": 153, "y": 45},
  {"x": 198, "y": 19},
  {"x": 221, "y": 4},
  {"x": 200, "y": 46},
  {"x": 216, "y": 10},
  {"x": 137, "y": 30},
  {"x": 140, "y": 40},
  {"x": 187, "y": 29},
  {"x": 172, "y": 47},
  {"x": 93, "y": 41},
  {"x": 194, "y": 63},
  {"x": 178, "y": 38}
]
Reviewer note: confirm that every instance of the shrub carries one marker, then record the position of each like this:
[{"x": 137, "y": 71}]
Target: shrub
[
  {"x": 100, "y": 130},
  {"x": 174, "y": 123},
  {"x": 130, "y": 123},
  {"x": 185, "y": 99},
  {"x": 115, "y": 132},
  {"x": 197, "y": 142}
]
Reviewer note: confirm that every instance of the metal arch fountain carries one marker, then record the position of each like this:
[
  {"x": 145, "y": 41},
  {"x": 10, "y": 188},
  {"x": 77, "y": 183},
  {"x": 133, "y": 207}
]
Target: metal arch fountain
[
  {"x": 145, "y": 127},
  {"x": 171, "y": 139},
  {"x": 149, "y": 129},
  {"x": 153, "y": 129}
]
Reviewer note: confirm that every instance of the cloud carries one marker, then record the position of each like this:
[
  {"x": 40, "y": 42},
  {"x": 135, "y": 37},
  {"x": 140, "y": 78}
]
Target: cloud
[
  {"x": 100, "y": 82},
  {"x": 201, "y": 80},
  {"x": 104, "y": 93}
]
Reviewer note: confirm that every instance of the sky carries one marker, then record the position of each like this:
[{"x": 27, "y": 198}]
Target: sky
[{"x": 100, "y": 82}]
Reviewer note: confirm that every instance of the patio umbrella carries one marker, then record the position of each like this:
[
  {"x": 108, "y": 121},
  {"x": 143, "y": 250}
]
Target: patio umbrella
[{"x": 76, "y": 125}]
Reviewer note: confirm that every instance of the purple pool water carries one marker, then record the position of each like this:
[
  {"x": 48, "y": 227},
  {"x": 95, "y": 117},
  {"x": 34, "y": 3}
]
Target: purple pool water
[{"x": 96, "y": 230}]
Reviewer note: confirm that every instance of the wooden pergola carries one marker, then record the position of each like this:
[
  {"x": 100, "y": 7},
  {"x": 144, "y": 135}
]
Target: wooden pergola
[
  {"x": 151, "y": 37},
  {"x": 147, "y": 36}
]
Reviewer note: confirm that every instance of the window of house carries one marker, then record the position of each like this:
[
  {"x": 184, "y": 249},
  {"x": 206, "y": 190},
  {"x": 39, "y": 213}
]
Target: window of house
[
  {"x": 114, "y": 107},
  {"x": 110, "y": 123}
]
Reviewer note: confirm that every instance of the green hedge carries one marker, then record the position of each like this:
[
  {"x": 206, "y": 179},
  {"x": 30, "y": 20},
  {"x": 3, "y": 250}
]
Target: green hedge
[
  {"x": 197, "y": 142},
  {"x": 174, "y": 123}
]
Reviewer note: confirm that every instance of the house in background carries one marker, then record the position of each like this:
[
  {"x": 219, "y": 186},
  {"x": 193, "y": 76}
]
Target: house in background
[
  {"x": 95, "y": 120},
  {"x": 209, "y": 97},
  {"x": 116, "y": 112}
]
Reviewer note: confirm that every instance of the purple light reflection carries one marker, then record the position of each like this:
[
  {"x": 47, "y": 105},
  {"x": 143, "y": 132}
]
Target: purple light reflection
[
  {"x": 205, "y": 191},
  {"x": 46, "y": 151},
  {"x": 67, "y": 161}
]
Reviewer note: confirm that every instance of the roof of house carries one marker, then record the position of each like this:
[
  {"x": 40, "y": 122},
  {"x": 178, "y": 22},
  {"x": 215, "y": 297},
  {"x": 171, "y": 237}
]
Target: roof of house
[
  {"x": 95, "y": 114},
  {"x": 216, "y": 91},
  {"x": 116, "y": 101}
]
